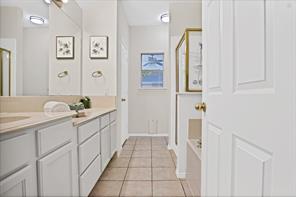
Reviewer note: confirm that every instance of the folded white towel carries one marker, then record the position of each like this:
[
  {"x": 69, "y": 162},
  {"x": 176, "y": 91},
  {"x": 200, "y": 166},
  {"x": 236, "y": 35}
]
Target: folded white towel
[{"x": 53, "y": 106}]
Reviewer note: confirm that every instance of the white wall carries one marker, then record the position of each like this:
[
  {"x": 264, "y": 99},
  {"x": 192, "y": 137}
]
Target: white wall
[
  {"x": 183, "y": 15},
  {"x": 148, "y": 107},
  {"x": 99, "y": 19},
  {"x": 62, "y": 24},
  {"x": 35, "y": 61},
  {"x": 11, "y": 32}
]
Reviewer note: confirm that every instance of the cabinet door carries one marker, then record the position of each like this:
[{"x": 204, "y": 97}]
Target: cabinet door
[
  {"x": 105, "y": 146},
  {"x": 21, "y": 183},
  {"x": 56, "y": 173},
  {"x": 113, "y": 138}
]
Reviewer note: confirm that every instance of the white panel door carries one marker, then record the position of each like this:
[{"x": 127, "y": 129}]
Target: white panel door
[{"x": 249, "y": 128}]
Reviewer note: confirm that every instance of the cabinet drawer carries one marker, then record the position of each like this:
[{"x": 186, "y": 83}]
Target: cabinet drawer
[
  {"x": 105, "y": 120},
  {"x": 54, "y": 136},
  {"x": 89, "y": 178},
  {"x": 16, "y": 152},
  {"x": 88, "y": 152},
  {"x": 88, "y": 129},
  {"x": 113, "y": 116}
]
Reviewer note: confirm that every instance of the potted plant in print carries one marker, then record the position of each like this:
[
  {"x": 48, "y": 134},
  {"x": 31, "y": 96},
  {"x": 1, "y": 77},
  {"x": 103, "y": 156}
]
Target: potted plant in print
[
  {"x": 98, "y": 47},
  {"x": 65, "y": 47}
]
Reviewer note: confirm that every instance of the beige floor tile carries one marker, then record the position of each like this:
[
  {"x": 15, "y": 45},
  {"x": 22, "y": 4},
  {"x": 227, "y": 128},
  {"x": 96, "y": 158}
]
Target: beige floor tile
[
  {"x": 128, "y": 147},
  {"x": 161, "y": 153},
  {"x": 119, "y": 163},
  {"x": 186, "y": 189},
  {"x": 130, "y": 142},
  {"x": 167, "y": 188},
  {"x": 136, "y": 188},
  {"x": 114, "y": 174},
  {"x": 106, "y": 188},
  {"x": 159, "y": 147},
  {"x": 126, "y": 153},
  {"x": 164, "y": 174},
  {"x": 143, "y": 147},
  {"x": 138, "y": 174},
  {"x": 141, "y": 153},
  {"x": 140, "y": 163},
  {"x": 162, "y": 163}
]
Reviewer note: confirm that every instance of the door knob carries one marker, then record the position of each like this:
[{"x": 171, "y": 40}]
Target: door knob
[
  {"x": 123, "y": 99},
  {"x": 201, "y": 107}
]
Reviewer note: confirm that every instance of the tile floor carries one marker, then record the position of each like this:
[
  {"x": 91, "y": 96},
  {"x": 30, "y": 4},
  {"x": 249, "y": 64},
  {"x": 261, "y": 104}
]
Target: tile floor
[{"x": 145, "y": 168}]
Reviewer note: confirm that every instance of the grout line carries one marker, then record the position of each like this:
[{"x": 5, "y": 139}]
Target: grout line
[
  {"x": 183, "y": 188},
  {"x": 124, "y": 179}
]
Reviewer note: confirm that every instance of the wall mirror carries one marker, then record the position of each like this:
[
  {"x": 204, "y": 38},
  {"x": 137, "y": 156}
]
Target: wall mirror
[
  {"x": 29, "y": 30},
  {"x": 189, "y": 61}
]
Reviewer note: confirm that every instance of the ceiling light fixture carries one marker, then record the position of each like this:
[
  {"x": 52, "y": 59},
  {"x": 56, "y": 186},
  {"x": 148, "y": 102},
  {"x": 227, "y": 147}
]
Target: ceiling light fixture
[
  {"x": 37, "y": 20},
  {"x": 65, "y": 1},
  {"x": 47, "y": 1},
  {"x": 165, "y": 18}
]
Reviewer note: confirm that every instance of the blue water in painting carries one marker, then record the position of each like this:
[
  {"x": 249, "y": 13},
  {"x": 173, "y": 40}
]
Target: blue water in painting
[
  {"x": 155, "y": 79},
  {"x": 152, "y": 70}
]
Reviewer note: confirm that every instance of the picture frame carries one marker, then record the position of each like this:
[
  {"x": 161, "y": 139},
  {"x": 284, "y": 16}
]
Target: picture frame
[
  {"x": 189, "y": 61},
  {"x": 65, "y": 47},
  {"x": 152, "y": 70},
  {"x": 98, "y": 47}
]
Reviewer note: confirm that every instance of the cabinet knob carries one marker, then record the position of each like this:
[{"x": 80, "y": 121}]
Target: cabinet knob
[
  {"x": 63, "y": 74},
  {"x": 97, "y": 74}
]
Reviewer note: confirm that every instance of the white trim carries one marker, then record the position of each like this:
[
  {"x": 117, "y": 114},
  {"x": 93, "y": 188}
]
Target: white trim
[
  {"x": 147, "y": 135},
  {"x": 152, "y": 88},
  {"x": 180, "y": 175}
]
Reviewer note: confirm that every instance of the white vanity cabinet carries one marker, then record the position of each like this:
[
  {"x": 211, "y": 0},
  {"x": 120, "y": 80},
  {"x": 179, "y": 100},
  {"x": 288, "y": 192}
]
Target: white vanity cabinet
[
  {"x": 89, "y": 159},
  {"x": 41, "y": 161},
  {"x": 57, "y": 160},
  {"x": 96, "y": 146}
]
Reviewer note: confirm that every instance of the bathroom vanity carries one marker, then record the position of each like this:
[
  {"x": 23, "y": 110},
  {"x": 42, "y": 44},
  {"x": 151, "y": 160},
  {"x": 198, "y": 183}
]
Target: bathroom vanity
[{"x": 54, "y": 154}]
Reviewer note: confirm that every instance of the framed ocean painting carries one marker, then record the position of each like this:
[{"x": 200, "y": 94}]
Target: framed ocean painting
[{"x": 152, "y": 67}]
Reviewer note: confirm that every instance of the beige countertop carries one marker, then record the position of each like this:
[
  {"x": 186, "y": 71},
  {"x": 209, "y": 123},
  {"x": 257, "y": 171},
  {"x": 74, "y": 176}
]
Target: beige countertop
[
  {"x": 10, "y": 122},
  {"x": 92, "y": 114}
]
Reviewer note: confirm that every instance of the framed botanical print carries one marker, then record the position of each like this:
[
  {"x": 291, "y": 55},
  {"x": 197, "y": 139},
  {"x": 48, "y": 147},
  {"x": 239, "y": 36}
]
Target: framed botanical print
[
  {"x": 98, "y": 47},
  {"x": 65, "y": 47}
]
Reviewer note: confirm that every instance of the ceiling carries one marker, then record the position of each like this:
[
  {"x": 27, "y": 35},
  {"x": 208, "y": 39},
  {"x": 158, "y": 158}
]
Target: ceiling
[
  {"x": 144, "y": 12},
  {"x": 147, "y": 12},
  {"x": 29, "y": 7}
]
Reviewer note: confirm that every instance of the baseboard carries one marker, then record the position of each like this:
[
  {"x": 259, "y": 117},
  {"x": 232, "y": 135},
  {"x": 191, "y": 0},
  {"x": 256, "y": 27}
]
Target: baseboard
[
  {"x": 147, "y": 135},
  {"x": 181, "y": 175}
]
